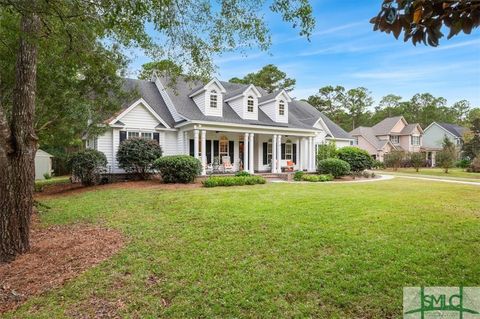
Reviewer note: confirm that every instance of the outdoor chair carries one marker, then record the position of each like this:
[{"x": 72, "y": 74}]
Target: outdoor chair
[{"x": 227, "y": 165}]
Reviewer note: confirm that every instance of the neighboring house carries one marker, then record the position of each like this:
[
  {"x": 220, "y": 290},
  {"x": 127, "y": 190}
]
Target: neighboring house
[
  {"x": 393, "y": 133},
  {"x": 220, "y": 121},
  {"x": 435, "y": 133},
  {"x": 43, "y": 164}
]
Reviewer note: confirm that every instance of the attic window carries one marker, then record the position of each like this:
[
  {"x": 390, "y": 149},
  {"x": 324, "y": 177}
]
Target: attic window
[
  {"x": 281, "y": 108},
  {"x": 250, "y": 104},
  {"x": 213, "y": 99}
]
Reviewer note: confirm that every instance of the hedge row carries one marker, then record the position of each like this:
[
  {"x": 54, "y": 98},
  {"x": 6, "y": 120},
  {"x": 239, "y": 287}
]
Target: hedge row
[
  {"x": 233, "y": 181},
  {"x": 317, "y": 178}
]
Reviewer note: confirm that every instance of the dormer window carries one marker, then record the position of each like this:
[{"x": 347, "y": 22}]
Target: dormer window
[
  {"x": 250, "y": 104},
  {"x": 281, "y": 108},
  {"x": 213, "y": 99}
]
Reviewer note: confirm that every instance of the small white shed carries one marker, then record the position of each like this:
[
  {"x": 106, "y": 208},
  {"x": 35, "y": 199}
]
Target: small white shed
[{"x": 43, "y": 164}]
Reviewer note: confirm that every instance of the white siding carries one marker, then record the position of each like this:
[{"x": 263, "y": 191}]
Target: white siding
[
  {"x": 200, "y": 101},
  {"x": 139, "y": 117},
  {"x": 168, "y": 142},
  {"x": 104, "y": 145},
  {"x": 270, "y": 109},
  {"x": 237, "y": 105},
  {"x": 250, "y": 115},
  {"x": 214, "y": 111}
]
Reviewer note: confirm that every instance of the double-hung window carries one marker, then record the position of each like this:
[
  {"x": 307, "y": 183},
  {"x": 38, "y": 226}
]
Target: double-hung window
[
  {"x": 395, "y": 139},
  {"x": 415, "y": 140},
  {"x": 281, "y": 108},
  {"x": 250, "y": 104},
  {"x": 131, "y": 134},
  {"x": 213, "y": 99}
]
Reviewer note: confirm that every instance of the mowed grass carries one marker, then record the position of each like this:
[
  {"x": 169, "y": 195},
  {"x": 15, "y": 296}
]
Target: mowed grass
[
  {"x": 271, "y": 251},
  {"x": 453, "y": 173}
]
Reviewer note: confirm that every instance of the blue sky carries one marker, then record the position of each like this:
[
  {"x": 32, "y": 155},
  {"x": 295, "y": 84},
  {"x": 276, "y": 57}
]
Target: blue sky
[{"x": 345, "y": 51}]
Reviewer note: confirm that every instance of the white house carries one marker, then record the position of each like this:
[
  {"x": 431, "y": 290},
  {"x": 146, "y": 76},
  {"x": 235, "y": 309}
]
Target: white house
[
  {"x": 221, "y": 120},
  {"x": 435, "y": 133}
]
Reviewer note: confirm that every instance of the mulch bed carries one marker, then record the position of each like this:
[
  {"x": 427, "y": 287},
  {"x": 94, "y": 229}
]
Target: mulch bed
[{"x": 57, "y": 254}]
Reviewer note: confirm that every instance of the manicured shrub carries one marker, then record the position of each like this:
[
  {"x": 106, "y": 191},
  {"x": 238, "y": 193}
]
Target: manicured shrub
[
  {"x": 297, "y": 176},
  {"x": 47, "y": 176},
  {"x": 334, "y": 166},
  {"x": 178, "y": 168},
  {"x": 317, "y": 178},
  {"x": 88, "y": 165},
  {"x": 137, "y": 155},
  {"x": 417, "y": 160},
  {"x": 463, "y": 163},
  {"x": 394, "y": 159},
  {"x": 325, "y": 151},
  {"x": 215, "y": 181},
  {"x": 242, "y": 173},
  {"x": 358, "y": 159}
]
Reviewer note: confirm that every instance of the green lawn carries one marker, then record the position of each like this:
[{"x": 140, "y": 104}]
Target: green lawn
[
  {"x": 453, "y": 173},
  {"x": 272, "y": 251}
]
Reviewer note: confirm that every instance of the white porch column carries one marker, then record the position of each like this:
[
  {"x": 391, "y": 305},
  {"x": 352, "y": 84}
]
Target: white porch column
[
  {"x": 279, "y": 154},
  {"x": 185, "y": 143},
  {"x": 250, "y": 154},
  {"x": 274, "y": 154},
  {"x": 245, "y": 152},
  {"x": 434, "y": 153},
  {"x": 314, "y": 155},
  {"x": 309, "y": 154},
  {"x": 204, "y": 152},
  {"x": 298, "y": 161},
  {"x": 195, "y": 143}
]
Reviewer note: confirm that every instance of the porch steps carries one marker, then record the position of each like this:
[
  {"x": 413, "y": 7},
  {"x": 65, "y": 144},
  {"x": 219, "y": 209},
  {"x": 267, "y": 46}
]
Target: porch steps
[{"x": 282, "y": 176}]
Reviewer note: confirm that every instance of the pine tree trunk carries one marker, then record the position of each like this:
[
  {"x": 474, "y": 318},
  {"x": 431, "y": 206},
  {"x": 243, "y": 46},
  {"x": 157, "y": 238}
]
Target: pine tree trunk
[{"x": 18, "y": 145}]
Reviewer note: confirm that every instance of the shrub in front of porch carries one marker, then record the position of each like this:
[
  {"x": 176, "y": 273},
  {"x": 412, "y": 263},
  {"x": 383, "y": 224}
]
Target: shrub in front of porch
[
  {"x": 215, "y": 181},
  {"x": 178, "y": 168},
  {"x": 317, "y": 178},
  {"x": 334, "y": 166},
  {"x": 137, "y": 156},
  {"x": 358, "y": 159}
]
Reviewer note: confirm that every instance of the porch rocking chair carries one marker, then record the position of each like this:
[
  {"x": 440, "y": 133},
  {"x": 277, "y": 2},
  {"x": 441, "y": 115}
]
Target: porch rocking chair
[
  {"x": 290, "y": 166},
  {"x": 227, "y": 164}
]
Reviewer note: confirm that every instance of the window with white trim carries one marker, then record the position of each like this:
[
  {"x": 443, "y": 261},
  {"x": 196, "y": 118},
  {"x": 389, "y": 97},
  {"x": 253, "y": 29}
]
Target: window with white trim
[
  {"x": 131, "y": 134},
  {"x": 250, "y": 104},
  {"x": 288, "y": 151},
  {"x": 145, "y": 135},
  {"x": 395, "y": 139},
  {"x": 213, "y": 99},
  {"x": 223, "y": 148},
  {"x": 281, "y": 108},
  {"x": 416, "y": 140}
]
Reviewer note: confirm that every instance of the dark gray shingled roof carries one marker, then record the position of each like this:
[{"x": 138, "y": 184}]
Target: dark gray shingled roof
[
  {"x": 149, "y": 92},
  {"x": 301, "y": 114},
  {"x": 454, "y": 129}
]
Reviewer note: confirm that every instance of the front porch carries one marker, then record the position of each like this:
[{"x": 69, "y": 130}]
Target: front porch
[{"x": 224, "y": 151}]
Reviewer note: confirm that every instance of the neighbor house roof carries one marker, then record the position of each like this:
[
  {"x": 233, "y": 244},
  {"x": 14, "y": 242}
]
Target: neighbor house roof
[
  {"x": 456, "y": 130},
  {"x": 385, "y": 126}
]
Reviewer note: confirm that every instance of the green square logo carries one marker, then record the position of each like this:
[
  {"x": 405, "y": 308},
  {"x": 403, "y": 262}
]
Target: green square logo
[{"x": 441, "y": 302}]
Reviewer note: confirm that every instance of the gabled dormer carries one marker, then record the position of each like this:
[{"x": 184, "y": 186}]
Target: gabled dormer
[
  {"x": 209, "y": 98},
  {"x": 244, "y": 102},
  {"x": 275, "y": 105}
]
